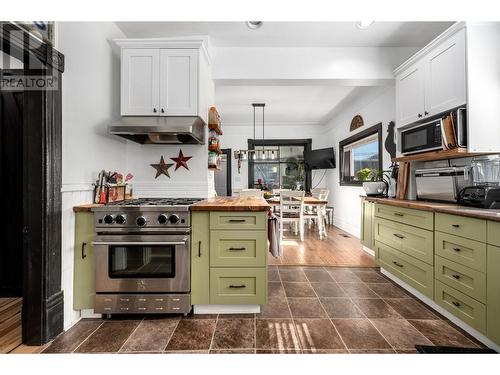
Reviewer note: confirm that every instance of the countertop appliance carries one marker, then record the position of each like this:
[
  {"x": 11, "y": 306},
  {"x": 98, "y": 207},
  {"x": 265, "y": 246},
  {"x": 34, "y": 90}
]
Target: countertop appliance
[
  {"x": 428, "y": 136},
  {"x": 143, "y": 262},
  {"x": 441, "y": 184},
  {"x": 480, "y": 196}
]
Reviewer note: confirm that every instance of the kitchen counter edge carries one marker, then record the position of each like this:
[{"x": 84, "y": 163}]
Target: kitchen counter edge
[
  {"x": 231, "y": 204},
  {"x": 446, "y": 208}
]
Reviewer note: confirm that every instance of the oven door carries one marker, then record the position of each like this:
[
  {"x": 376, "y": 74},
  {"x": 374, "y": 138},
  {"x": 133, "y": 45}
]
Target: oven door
[{"x": 142, "y": 263}]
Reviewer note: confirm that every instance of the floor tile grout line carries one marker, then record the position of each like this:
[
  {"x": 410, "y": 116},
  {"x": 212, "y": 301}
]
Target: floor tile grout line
[
  {"x": 172, "y": 334},
  {"x": 328, "y": 316},
  {"x": 130, "y": 335},
  {"x": 86, "y": 338},
  {"x": 291, "y": 315},
  {"x": 213, "y": 334},
  {"x": 428, "y": 338}
]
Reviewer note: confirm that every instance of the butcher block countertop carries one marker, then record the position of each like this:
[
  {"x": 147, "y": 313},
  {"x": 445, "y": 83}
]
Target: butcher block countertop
[
  {"x": 87, "y": 207},
  {"x": 231, "y": 204},
  {"x": 447, "y": 208}
]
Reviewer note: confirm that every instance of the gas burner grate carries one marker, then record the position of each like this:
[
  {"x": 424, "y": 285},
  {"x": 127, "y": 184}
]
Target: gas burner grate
[{"x": 157, "y": 202}]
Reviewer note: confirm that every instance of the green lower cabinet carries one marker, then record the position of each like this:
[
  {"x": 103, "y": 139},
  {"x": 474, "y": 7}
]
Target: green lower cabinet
[
  {"x": 200, "y": 258},
  {"x": 493, "y": 293},
  {"x": 84, "y": 258},
  {"x": 238, "y": 286},
  {"x": 461, "y": 250},
  {"x": 230, "y": 248},
  {"x": 367, "y": 215},
  {"x": 462, "y": 306}
]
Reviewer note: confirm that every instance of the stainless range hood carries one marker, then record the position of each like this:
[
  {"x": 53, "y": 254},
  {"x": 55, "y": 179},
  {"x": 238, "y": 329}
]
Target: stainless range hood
[{"x": 161, "y": 130}]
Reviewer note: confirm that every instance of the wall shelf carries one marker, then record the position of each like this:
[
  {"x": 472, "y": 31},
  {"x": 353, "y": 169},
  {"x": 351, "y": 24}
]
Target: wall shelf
[{"x": 439, "y": 155}]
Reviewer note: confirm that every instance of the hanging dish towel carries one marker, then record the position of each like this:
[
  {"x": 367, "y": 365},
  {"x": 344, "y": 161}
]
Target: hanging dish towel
[{"x": 273, "y": 236}]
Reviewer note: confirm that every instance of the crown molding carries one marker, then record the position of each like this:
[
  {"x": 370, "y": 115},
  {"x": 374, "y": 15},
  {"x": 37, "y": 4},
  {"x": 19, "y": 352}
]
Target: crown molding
[
  {"x": 436, "y": 41},
  {"x": 165, "y": 43}
]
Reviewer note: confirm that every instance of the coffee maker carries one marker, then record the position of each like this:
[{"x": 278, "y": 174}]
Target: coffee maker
[{"x": 485, "y": 192}]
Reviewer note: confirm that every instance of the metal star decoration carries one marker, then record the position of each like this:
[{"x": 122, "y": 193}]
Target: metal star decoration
[
  {"x": 181, "y": 161},
  {"x": 161, "y": 168}
]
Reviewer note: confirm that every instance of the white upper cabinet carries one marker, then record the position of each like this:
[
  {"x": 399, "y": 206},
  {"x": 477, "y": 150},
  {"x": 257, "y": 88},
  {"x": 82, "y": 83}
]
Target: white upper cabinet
[
  {"x": 433, "y": 82},
  {"x": 445, "y": 86},
  {"x": 140, "y": 81},
  {"x": 410, "y": 101},
  {"x": 178, "y": 82},
  {"x": 165, "y": 77}
]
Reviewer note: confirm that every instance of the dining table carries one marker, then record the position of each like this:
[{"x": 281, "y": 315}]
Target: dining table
[{"x": 308, "y": 201}]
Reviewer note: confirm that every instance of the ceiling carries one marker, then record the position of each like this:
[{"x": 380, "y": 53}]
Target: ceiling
[
  {"x": 293, "y": 34},
  {"x": 284, "y": 104}
]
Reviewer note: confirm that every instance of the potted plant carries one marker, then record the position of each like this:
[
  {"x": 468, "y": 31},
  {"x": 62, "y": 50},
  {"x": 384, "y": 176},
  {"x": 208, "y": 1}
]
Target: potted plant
[{"x": 375, "y": 182}]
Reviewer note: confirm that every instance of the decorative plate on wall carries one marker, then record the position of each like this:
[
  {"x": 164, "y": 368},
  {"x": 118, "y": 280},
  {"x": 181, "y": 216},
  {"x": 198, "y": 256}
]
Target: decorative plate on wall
[{"x": 356, "y": 122}]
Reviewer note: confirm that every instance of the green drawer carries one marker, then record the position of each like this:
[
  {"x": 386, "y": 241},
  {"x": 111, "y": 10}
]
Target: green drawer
[
  {"x": 465, "y": 279},
  {"x": 416, "y": 242},
  {"x": 467, "y": 252},
  {"x": 238, "y": 220},
  {"x": 417, "y": 218},
  {"x": 493, "y": 233},
  {"x": 238, "y": 248},
  {"x": 462, "y": 306},
  {"x": 238, "y": 286},
  {"x": 474, "y": 229},
  {"x": 414, "y": 272},
  {"x": 493, "y": 293}
]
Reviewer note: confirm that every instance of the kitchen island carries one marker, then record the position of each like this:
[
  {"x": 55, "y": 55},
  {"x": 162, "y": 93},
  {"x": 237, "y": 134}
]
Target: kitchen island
[{"x": 229, "y": 255}]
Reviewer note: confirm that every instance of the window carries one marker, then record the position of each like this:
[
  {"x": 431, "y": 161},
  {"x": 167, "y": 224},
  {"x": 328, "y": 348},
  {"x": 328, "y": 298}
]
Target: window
[
  {"x": 283, "y": 167},
  {"x": 361, "y": 156}
]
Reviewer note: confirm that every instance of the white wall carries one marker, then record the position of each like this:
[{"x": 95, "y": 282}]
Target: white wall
[
  {"x": 236, "y": 137},
  {"x": 90, "y": 102},
  {"x": 375, "y": 105}
]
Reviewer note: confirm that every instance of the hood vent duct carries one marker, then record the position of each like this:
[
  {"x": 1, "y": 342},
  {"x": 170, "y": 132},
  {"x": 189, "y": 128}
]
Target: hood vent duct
[{"x": 161, "y": 130}]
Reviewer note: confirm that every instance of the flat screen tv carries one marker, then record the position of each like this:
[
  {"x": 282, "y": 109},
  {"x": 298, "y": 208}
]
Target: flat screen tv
[{"x": 323, "y": 158}]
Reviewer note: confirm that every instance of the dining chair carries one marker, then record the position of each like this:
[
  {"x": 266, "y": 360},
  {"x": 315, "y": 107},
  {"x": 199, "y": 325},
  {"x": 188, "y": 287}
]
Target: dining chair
[
  {"x": 251, "y": 193},
  {"x": 317, "y": 213},
  {"x": 292, "y": 211},
  {"x": 278, "y": 191}
]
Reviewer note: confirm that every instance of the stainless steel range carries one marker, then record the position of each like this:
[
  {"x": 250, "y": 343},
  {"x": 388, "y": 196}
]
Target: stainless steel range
[{"x": 143, "y": 260}]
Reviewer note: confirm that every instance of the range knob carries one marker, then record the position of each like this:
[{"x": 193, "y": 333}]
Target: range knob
[
  {"x": 120, "y": 219},
  {"x": 141, "y": 221},
  {"x": 108, "y": 219},
  {"x": 162, "y": 219},
  {"x": 174, "y": 219}
]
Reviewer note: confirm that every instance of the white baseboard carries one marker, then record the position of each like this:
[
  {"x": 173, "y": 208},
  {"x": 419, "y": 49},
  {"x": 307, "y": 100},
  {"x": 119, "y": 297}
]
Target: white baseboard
[
  {"x": 478, "y": 335},
  {"x": 89, "y": 313},
  {"x": 226, "y": 309},
  {"x": 369, "y": 251}
]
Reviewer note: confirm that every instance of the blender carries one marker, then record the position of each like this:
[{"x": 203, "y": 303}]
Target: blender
[{"x": 485, "y": 192}]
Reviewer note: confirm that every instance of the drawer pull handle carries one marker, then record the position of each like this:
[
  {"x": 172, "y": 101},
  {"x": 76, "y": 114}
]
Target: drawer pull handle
[
  {"x": 199, "y": 249},
  {"x": 124, "y": 308},
  {"x": 455, "y": 225},
  {"x": 237, "y": 220},
  {"x": 176, "y": 308},
  {"x": 141, "y": 308},
  {"x": 397, "y": 264},
  {"x": 456, "y": 276},
  {"x": 107, "y": 308},
  {"x": 83, "y": 250},
  {"x": 124, "y": 299},
  {"x": 457, "y": 304},
  {"x": 142, "y": 299},
  {"x": 176, "y": 299},
  {"x": 400, "y": 236},
  {"x": 399, "y": 214},
  {"x": 238, "y": 286},
  {"x": 237, "y": 248},
  {"x": 456, "y": 249}
]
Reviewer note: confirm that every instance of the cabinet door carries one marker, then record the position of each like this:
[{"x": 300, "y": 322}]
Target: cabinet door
[
  {"x": 410, "y": 102},
  {"x": 84, "y": 257},
  {"x": 178, "y": 82},
  {"x": 493, "y": 294},
  {"x": 445, "y": 76},
  {"x": 200, "y": 258},
  {"x": 140, "y": 82},
  {"x": 367, "y": 224}
]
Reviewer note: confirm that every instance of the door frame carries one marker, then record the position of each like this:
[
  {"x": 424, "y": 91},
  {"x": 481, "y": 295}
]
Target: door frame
[
  {"x": 229, "y": 178},
  {"x": 43, "y": 310}
]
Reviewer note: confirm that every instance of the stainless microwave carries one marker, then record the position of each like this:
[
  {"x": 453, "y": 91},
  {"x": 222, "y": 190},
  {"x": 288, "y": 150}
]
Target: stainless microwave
[{"x": 428, "y": 136}]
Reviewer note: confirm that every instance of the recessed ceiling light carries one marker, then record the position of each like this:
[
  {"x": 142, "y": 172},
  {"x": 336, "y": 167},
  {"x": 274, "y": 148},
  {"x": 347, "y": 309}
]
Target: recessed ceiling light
[
  {"x": 253, "y": 25},
  {"x": 364, "y": 24}
]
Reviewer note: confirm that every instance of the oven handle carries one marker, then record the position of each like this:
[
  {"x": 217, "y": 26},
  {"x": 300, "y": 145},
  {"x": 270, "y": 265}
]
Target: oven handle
[{"x": 138, "y": 243}]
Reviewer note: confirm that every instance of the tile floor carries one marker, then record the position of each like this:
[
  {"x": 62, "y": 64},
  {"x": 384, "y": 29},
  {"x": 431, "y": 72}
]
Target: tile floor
[{"x": 310, "y": 310}]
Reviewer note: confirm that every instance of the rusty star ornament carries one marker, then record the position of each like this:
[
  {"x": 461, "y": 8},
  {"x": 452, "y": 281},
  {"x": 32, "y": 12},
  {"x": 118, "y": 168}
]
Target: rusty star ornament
[
  {"x": 181, "y": 161},
  {"x": 162, "y": 168}
]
